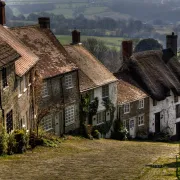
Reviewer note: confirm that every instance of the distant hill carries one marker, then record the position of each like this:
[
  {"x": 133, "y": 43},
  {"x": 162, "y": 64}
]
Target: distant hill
[{"x": 145, "y": 10}]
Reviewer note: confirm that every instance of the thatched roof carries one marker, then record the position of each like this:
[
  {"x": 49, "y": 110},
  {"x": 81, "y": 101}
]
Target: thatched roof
[{"x": 155, "y": 73}]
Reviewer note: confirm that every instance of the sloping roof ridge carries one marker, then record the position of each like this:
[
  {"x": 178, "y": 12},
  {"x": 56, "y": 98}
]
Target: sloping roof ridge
[
  {"x": 98, "y": 61},
  {"x": 23, "y": 27}
]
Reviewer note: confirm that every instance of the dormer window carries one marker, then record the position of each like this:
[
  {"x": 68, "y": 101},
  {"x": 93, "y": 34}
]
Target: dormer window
[
  {"x": 175, "y": 98},
  {"x": 45, "y": 89},
  {"x": 141, "y": 103},
  {"x": 127, "y": 108},
  {"x": 4, "y": 78},
  {"x": 154, "y": 102}
]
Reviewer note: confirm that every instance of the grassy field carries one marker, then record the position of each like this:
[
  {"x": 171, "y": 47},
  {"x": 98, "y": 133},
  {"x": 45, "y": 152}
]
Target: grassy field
[
  {"x": 110, "y": 41},
  {"x": 81, "y": 159}
]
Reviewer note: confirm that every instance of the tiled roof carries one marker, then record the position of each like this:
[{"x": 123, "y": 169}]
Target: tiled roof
[
  {"x": 94, "y": 73},
  {"x": 27, "y": 59},
  {"x": 128, "y": 93},
  {"x": 7, "y": 53},
  {"x": 53, "y": 59}
]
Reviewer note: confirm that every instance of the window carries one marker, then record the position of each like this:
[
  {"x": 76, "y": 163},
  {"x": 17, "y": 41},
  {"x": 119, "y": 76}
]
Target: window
[
  {"x": 4, "y": 78},
  {"x": 47, "y": 122},
  {"x": 105, "y": 91},
  {"x": 101, "y": 117},
  {"x": 20, "y": 86},
  {"x": 91, "y": 95},
  {"x": 154, "y": 102},
  {"x": 126, "y": 108},
  {"x": 24, "y": 83},
  {"x": 177, "y": 110},
  {"x": 141, "y": 103},
  {"x": 68, "y": 81},
  {"x": 69, "y": 115},
  {"x": 45, "y": 89},
  {"x": 9, "y": 121},
  {"x": 175, "y": 98},
  {"x": 140, "y": 120}
]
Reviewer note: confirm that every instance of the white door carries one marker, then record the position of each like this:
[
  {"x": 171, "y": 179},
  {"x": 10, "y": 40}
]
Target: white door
[
  {"x": 132, "y": 128},
  {"x": 57, "y": 124}
]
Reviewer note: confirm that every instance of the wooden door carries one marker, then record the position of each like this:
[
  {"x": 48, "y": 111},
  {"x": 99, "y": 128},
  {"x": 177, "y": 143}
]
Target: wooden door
[
  {"x": 9, "y": 121},
  {"x": 157, "y": 122},
  {"x": 59, "y": 125},
  {"x": 132, "y": 128}
]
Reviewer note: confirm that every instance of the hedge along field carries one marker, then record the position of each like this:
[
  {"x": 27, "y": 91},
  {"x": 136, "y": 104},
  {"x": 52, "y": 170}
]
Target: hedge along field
[{"x": 109, "y": 41}]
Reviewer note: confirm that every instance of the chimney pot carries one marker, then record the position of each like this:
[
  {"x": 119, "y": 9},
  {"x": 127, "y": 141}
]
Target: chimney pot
[
  {"x": 171, "y": 42},
  {"x": 127, "y": 49},
  {"x": 44, "y": 22},
  {"x": 76, "y": 37},
  {"x": 2, "y": 13}
]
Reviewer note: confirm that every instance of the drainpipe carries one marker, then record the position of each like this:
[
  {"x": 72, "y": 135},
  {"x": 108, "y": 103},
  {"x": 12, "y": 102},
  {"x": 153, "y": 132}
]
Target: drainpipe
[{"x": 63, "y": 104}]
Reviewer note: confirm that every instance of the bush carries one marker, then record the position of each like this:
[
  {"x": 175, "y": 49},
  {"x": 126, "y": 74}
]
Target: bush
[
  {"x": 11, "y": 144},
  {"x": 21, "y": 140},
  {"x": 3, "y": 142},
  {"x": 96, "y": 134}
]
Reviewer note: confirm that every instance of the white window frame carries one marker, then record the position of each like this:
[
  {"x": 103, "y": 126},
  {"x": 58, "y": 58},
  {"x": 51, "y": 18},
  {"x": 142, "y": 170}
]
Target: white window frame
[
  {"x": 46, "y": 123},
  {"x": 141, "y": 120},
  {"x": 141, "y": 104},
  {"x": 127, "y": 108},
  {"x": 20, "y": 85},
  {"x": 105, "y": 88},
  {"x": 68, "y": 81},
  {"x": 69, "y": 115},
  {"x": 45, "y": 92},
  {"x": 101, "y": 117}
]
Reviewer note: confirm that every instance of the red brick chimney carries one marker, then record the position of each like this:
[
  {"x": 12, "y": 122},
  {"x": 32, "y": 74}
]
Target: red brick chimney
[
  {"x": 127, "y": 49},
  {"x": 2, "y": 13},
  {"x": 44, "y": 22},
  {"x": 76, "y": 37}
]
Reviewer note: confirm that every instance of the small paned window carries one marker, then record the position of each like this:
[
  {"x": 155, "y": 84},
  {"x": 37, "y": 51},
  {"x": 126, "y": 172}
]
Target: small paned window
[
  {"x": 141, "y": 103},
  {"x": 176, "y": 98},
  {"x": 9, "y": 121},
  {"x": 69, "y": 115},
  {"x": 68, "y": 81},
  {"x": 127, "y": 108},
  {"x": 4, "y": 77},
  {"x": 105, "y": 91},
  {"x": 140, "y": 120},
  {"x": 24, "y": 83},
  {"x": 45, "y": 89},
  {"x": 154, "y": 102},
  {"x": 177, "y": 110},
  {"x": 101, "y": 117},
  {"x": 91, "y": 95},
  {"x": 47, "y": 123}
]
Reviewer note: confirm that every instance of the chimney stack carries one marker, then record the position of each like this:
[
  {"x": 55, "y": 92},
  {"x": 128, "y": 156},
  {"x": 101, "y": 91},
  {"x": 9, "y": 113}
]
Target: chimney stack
[
  {"x": 2, "y": 13},
  {"x": 127, "y": 49},
  {"x": 44, "y": 22},
  {"x": 76, "y": 37},
  {"x": 171, "y": 42}
]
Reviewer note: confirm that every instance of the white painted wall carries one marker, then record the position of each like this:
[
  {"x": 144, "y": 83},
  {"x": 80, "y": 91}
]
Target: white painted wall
[{"x": 167, "y": 109}]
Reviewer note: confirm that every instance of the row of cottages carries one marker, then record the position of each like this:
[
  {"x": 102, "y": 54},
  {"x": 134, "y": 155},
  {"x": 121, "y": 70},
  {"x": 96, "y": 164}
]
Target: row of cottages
[
  {"x": 157, "y": 74},
  {"x": 68, "y": 74}
]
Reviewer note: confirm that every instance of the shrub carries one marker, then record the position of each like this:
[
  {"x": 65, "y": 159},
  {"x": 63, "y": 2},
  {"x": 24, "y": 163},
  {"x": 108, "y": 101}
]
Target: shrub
[
  {"x": 11, "y": 144},
  {"x": 96, "y": 134},
  {"x": 3, "y": 142},
  {"x": 21, "y": 140}
]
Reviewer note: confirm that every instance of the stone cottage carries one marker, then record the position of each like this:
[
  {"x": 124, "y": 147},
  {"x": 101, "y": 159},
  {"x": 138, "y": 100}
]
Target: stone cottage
[
  {"x": 132, "y": 108},
  {"x": 95, "y": 82},
  {"x": 16, "y": 69},
  {"x": 57, "y": 104},
  {"x": 157, "y": 74}
]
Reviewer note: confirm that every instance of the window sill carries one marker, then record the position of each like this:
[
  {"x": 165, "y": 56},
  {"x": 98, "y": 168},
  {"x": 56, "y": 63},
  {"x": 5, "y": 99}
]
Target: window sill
[
  {"x": 29, "y": 84},
  {"x": 5, "y": 88},
  {"x": 68, "y": 124},
  {"x": 45, "y": 96},
  {"x": 25, "y": 90},
  {"x": 69, "y": 87},
  {"x": 140, "y": 125},
  {"x": 19, "y": 95},
  {"x": 141, "y": 108},
  {"x": 126, "y": 112},
  {"x": 49, "y": 129},
  {"x": 99, "y": 123}
]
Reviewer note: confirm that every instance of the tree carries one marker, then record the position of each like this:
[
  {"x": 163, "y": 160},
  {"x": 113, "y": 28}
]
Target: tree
[{"x": 148, "y": 44}]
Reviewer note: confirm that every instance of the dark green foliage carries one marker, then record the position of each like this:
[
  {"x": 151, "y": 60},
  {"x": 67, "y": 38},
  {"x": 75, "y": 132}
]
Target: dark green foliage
[
  {"x": 148, "y": 44},
  {"x": 96, "y": 134},
  {"x": 11, "y": 144},
  {"x": 93, "y": 106},
  {"x": 3, "y": 141}
]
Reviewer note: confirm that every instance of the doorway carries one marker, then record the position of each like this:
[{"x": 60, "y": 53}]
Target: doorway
[{"x": 157, "y": 122}]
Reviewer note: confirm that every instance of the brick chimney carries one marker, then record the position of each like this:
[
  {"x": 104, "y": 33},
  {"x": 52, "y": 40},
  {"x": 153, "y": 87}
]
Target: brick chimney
[
  {"x": 171, "y": 42},
  {"x": 2, "y": 13},
  {"x": 44, "y": 22},
  {"x": 76, "y": 37},
  {"x": 127, "y": 49}
]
